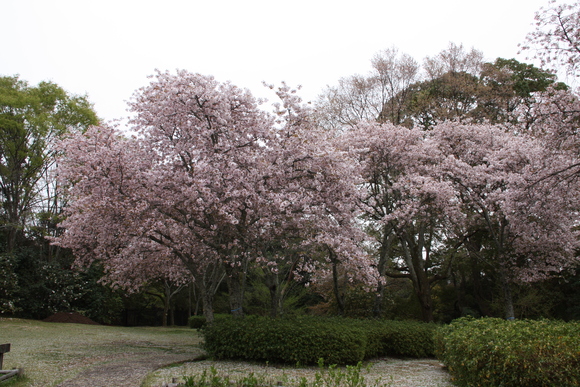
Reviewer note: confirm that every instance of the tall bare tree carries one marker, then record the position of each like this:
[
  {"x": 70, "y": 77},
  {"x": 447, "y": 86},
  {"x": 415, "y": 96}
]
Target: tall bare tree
[{"x": 377, "y": 96}]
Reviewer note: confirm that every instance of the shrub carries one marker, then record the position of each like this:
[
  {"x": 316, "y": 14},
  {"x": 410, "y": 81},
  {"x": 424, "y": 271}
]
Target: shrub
[
  {"x": 305, "y": 340},
  {"x": 495, "y": 352},
  {"x": 198, "y": 322},
  {"x": 408, "y": 339}
]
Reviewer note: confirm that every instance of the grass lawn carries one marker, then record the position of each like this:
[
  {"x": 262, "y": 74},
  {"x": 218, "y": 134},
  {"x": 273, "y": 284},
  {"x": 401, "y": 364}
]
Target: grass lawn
[{"x": 50, "y": 353}]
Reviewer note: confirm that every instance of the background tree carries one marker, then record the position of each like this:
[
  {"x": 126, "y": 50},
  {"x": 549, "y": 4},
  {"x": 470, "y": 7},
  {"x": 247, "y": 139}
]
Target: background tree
[
  {"x": 379, "y": 95},
  {"x": 38, "y": 277},
  {"x": 31, "y": 120},
  {"x": 531, "y": 231},
  {"x": 394, "y": 73},
  {"x": 454, "y": 84},
  {"x": 510, "y": 87},
  {"x": 496, "y": 94},
  {"x": 453, "y": 59}
]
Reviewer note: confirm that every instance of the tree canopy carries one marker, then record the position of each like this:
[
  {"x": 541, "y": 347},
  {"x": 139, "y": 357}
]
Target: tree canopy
[{"x": 211, "y": 183}]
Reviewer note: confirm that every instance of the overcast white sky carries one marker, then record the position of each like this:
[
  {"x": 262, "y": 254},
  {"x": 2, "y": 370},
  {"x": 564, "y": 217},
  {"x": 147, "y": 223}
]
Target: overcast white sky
[{"x": 107, "y": 48}]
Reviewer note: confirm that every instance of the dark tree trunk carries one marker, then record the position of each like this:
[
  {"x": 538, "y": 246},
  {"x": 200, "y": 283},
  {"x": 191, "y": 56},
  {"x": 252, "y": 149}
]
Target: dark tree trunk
[
  {"x": 414, "y": 251},
  {"x": 207, "y": 303},
  {"x": 385, "y": 255},
  {"x": 507, "y": 296},
  {"x": 279, "y": 284},
  {"x": 275, "y": 301},
  {"x": 206, "y": 282},
  {"x": 236, "y": 280},
  {"x": 426, "y": 302},
  {"x": 336, "y": 287},
  {"x": 379, "y": 297},
  {"x": 165, "y": 310},
  {"x": 479, "y": 291}
]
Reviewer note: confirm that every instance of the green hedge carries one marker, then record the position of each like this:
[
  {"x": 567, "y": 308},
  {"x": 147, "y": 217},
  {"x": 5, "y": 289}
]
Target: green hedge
[
  {"x": 198, "y": 322},
  {"x": 495, "y": 352},
  {"x": 305, "y": 340}
]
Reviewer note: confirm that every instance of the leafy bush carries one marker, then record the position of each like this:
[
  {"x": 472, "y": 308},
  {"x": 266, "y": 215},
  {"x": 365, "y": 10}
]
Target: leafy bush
[
  {"x": 305, "y": 340},
  {"x": 495, "y": 352},
  {"x": 198, "y": 322},
  {"x": 406, "y": 338},
  {"x": 8, "y": 285}
]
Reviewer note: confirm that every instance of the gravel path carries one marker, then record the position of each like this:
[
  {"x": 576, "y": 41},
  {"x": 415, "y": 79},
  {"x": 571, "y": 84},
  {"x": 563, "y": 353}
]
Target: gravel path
[
  {"x": 126, "y": 371},
  {"x": 387, "y": 371},
  {"x": 131, "y": 369}
]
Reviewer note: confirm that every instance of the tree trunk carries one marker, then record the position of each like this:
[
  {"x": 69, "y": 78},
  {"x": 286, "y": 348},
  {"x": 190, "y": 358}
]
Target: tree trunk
[
  {"x": 423, "y": 292},
  {"x": 413, "y": 255},
  {"x": 236, "y": 280},
  {"x": 478, "y": 290},
  {"x": 207, "y": 303},
  {"x": 379, "y": 297},
  {"x": 272, "y": 281},
  {"x": 165, "y": 311},
  {"x": 189, "y": 299},
  {"x": 339, "y": 297},
  {"x": 166, "y": 301},
  {"x": 206, "y": 281},
  {"x": 279, "y": 283},
  {"x": 275, "y": 307},
  {"x": 507, "y": 296},
  {"x": 206, "y": 294},
  {"x": 385, "y": 256}
]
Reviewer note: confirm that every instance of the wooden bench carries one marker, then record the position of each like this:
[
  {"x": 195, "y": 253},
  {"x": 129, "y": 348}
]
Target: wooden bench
[
  {"x": 3, "y": 349},
  {"x": 6, "y": 374}
]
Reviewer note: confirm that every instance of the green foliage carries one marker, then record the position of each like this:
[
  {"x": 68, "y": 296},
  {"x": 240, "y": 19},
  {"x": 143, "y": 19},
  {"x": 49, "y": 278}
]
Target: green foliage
[
  {"x": 299, "y": 340},
  {"x": 198, "y": 322},
  {"x": 31, "y": 120},
  {"x": 332, "y": 376},
  {"x": 214, "y": 379},
  {"x": 403, "y": 338},
  {"x": 44, "y": 288},
  {"x": 495, "y": 352},
  {"x": 294, "y": 296},
  {"x": 305, "y": 340},
  {"x": 526, "y": 78},
  {"x": 8, "y": 285}
]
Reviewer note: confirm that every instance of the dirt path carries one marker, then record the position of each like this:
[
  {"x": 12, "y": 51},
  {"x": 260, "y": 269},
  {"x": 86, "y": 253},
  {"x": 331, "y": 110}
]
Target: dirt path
[{"x": 127, "y": 370}]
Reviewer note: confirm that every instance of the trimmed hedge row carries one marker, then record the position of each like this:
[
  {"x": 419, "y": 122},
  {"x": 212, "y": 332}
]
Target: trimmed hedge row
[
  {"x": 495, "y": 352},
  {"x": 305, "y": 340}
]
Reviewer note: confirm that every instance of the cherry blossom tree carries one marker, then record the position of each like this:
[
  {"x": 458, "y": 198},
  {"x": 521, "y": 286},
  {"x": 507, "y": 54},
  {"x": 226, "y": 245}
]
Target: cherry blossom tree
[
  {"x": 430, "y": 195},
  {"x": 530, "y": 223},
  {"x": 556, "y": 38},
  {"x": 209, "y": 184},
  {"x": 316, "y": 180},
  {"x": 407, "y": 208},
  {"x": 104, "y": 221}
]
